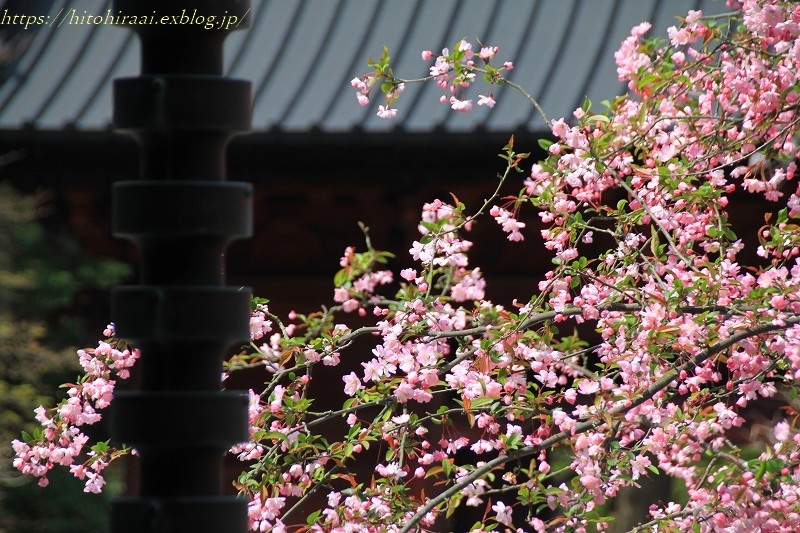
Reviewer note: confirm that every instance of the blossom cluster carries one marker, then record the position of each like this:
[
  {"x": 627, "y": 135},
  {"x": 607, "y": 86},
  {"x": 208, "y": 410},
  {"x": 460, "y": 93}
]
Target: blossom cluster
[
  {"x": 60, "y": 440},
  {"x": 453, "y": 71}
]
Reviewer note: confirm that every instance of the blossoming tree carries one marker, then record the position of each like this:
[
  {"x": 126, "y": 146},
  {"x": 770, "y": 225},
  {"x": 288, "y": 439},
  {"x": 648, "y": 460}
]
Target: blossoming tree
[{"x": 646, "y": 346}]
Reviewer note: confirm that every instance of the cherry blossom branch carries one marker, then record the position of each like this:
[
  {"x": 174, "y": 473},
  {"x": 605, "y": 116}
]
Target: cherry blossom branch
[
  {"x": 582, "y": 427},
  {"x": 531, "y": 99},
  {"x": 513, "y": 162},
  {"x": 653, "y": 218},
  {"x": 329, "y": 415}
]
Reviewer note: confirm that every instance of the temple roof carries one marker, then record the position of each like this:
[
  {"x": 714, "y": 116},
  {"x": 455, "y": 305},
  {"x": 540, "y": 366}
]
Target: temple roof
[{"x": 301, "y": 54}]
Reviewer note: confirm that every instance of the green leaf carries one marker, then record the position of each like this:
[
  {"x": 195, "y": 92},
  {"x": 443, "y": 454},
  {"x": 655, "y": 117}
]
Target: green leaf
[
  {"x": 598, "y": 118},
  {"x": 101, "y": 447},
  {"x": 545, "y": 144},
  {"x": 272, "y": 435},
  {"x": 340, "y": 278},
  {"x": 314, "y": 517},
  {"x": 447, "y": 467},
  {"x": 257, "y": 300},
  {"x": 762, "y": 468},
  {"x": 654, "y": 242},
  {"x": 481, "y": 401},
  {"x": 430, "y": 226},
  {"x": 678, "y": 284},
  {"x": 729, "y": 233},
  {"x": 773, "y": 465},
  {"x": 645, "y": 80}
]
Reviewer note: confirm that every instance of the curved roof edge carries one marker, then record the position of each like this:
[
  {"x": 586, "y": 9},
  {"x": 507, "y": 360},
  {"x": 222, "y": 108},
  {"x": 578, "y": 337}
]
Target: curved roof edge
[{"x": 301, "y": 54}]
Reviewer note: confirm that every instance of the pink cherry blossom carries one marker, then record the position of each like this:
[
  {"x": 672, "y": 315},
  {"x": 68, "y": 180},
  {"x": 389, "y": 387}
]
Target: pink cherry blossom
[
  {"x": 386, "y": 112},
  {"x": 488, "y": 101},
  {"x": 665, "y": 336}
]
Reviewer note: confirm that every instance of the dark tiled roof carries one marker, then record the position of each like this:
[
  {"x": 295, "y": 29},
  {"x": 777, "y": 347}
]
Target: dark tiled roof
[{"x": 301, "y": 54}]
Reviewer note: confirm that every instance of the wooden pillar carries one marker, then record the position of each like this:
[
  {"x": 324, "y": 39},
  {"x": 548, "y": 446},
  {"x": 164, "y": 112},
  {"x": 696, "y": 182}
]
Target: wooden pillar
[{"x": 182, "y": 215}]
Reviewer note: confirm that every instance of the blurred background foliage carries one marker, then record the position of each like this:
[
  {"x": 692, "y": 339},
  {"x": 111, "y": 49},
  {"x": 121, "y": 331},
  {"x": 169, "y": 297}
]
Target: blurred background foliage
[{"x": 53, "y": 299}]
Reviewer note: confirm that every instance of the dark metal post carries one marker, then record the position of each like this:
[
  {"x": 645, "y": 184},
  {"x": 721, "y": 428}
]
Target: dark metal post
[{"x": 181, "y": 215}]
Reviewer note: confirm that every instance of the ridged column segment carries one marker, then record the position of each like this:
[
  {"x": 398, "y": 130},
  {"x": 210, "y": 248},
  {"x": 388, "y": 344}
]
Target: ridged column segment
[{"x": 181, "y": 215}]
